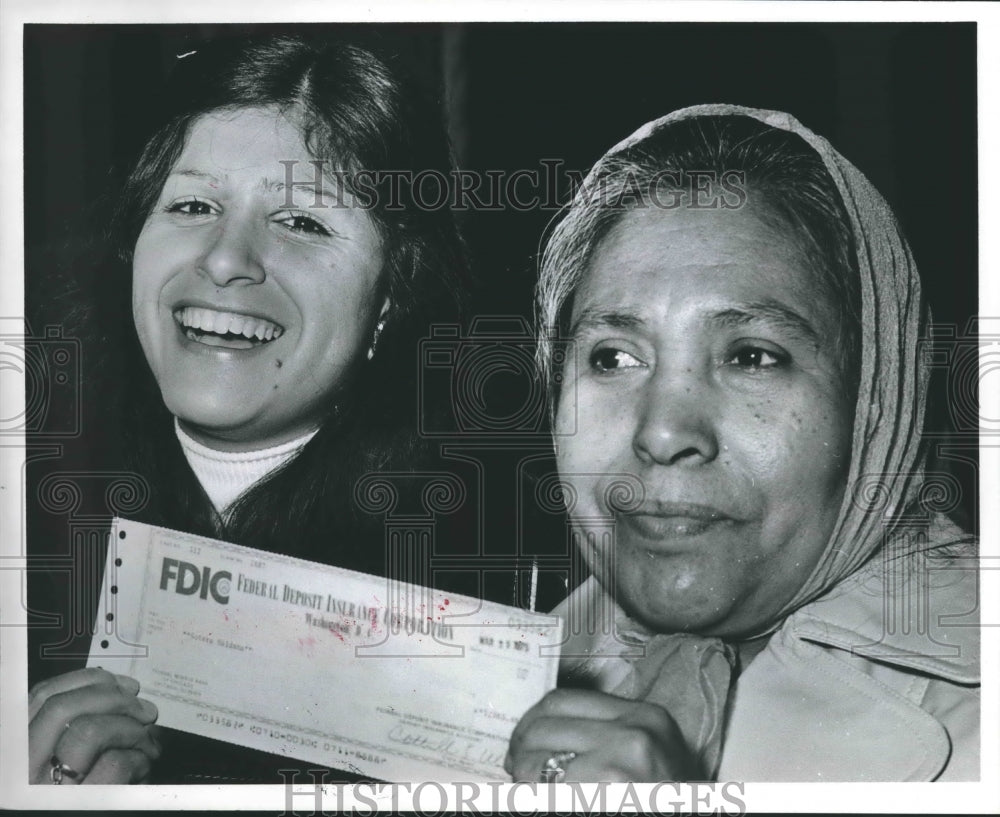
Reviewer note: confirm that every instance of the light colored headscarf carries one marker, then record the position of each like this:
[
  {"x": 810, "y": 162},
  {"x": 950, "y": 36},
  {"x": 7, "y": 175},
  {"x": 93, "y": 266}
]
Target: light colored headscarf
[{"x": 690, "y": 676}]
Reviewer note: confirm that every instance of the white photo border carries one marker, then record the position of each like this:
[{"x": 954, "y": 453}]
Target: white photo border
[{"x": 983, "y": 797}]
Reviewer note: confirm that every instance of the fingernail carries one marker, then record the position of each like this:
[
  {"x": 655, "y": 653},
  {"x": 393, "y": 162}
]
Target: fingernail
[
  {"x": 127, "y": 683},
  {"x": 149, "y": 709}
]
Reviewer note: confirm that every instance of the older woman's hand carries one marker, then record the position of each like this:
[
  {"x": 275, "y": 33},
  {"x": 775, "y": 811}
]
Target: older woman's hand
[
  {"x": 93, "y": 723},
  {"x": 614, "y": 740}
]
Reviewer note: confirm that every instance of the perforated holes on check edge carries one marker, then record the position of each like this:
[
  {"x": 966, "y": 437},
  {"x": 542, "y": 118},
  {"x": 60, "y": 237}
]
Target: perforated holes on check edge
[{"x": 114, "y": 588}]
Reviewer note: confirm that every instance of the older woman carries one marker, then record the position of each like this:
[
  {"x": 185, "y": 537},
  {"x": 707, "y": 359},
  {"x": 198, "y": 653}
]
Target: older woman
[
  {"x": 745, "y": 413},
  {"x": 275, "y": 313}
]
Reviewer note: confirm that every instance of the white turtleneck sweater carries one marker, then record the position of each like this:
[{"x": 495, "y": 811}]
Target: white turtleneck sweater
[{"x": 226, "y": 474}]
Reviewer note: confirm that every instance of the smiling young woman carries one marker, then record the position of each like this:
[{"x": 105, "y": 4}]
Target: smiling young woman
[
  {"x": 269, "y": 361},
  {"x": 252, "y": 304}
]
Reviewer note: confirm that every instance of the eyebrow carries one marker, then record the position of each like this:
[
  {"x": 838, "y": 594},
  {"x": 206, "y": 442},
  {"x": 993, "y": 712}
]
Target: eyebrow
[
  {"x": 196, "y": 174},
  {"x": 767, "y": 311},
  {"x": 270, "y": 185},
  {"x": 590, "y": 318},
  {"x": 742, "y": 314},
  {"x": 320, "y": 186}
]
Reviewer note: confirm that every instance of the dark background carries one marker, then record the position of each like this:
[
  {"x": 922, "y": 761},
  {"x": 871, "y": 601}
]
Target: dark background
[{"x": 898, "y": 100}]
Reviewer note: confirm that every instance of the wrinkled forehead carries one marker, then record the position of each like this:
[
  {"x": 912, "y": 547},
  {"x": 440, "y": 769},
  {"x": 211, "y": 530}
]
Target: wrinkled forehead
[{"x": 749, "y": 251}]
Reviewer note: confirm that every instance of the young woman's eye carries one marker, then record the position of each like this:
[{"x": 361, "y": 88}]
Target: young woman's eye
[
  {"x": 610, "y": 359},
  {"x": 302, "y": 223},
  {"x": 756, "y": 358},
  {"x": 191, "y": 207}
]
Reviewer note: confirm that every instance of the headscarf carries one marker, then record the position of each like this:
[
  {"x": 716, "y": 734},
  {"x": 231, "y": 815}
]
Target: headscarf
[{"x": 691, "y": 676}]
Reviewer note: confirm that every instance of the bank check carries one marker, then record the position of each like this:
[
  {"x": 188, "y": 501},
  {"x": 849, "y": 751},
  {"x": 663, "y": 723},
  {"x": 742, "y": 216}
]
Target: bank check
[{"x": 388, "y": 680}]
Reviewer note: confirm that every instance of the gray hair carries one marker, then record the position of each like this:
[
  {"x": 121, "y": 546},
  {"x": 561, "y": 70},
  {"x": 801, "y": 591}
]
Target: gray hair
[{"x": 777, "y": 165}]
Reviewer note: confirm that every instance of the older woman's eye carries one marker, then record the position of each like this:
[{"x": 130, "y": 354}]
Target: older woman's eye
[
  {"x": 755, "y": 358},
  {"x": 191, "y": 207},
  {"x": 302, "y": 223},
  {"x": 610, "y": 359}
]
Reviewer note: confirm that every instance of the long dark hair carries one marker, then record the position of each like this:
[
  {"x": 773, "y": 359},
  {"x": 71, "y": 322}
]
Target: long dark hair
[{"x": 359, "y": 109}]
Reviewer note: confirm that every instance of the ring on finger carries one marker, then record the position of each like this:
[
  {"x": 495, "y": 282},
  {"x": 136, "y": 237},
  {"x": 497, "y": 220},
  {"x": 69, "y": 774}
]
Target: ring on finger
[
  {"x": 554, "y": 769},
  {"x": 60, "y": 771}
]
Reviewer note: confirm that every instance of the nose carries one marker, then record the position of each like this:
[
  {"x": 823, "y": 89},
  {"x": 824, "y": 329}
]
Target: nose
[
  {"x": 675, "y": 424},
  {"x": 231, "y": 255}
]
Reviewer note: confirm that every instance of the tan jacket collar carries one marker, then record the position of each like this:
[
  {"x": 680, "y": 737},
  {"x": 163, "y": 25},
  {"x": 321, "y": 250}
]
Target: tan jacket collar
[{"x": 921, "y": 614}]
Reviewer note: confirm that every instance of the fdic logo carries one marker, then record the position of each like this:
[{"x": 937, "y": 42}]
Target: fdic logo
[{"x": 189, "y": 579}]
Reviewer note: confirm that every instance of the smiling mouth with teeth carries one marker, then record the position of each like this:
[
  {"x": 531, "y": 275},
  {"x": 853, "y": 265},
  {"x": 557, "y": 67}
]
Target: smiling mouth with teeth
[{"x": 226, "y": 329}]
